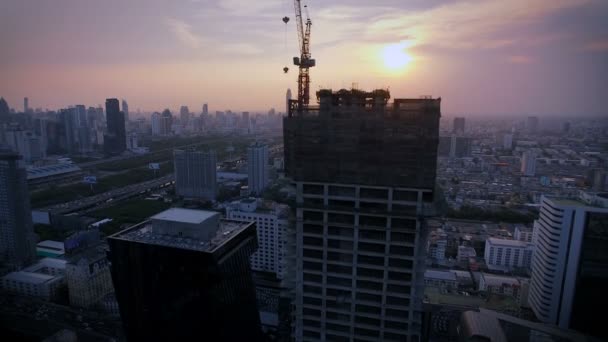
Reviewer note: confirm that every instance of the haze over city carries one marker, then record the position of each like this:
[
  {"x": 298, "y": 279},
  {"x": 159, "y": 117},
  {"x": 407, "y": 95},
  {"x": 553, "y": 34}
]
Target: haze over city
[{"x": 483, "y": 57}]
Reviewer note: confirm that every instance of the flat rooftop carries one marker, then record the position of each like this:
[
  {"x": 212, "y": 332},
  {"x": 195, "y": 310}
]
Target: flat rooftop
[
  {"x": 143, "y": 233},
  {"x": 184, "y": 215},
  {"x": 507, "y": 242},
  {"x": 29, "y": 277},
  {"x": 50, "y": 244},
  {"x": 438, "y": 274}
]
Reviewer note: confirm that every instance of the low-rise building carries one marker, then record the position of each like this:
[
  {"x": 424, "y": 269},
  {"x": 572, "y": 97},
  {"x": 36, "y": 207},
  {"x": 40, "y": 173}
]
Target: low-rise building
[
  {"x": 523, "y": 233},
  {"x": 49, "y": 266},
  {"x": 508, "y": 253},
  {"x": 32, "y": 284},
  {"x": 49, "y": 248},
  {"x": 465, "y": 253},
  {"x": 440, "y": 279},
  {"x": 504, "y": 285}
]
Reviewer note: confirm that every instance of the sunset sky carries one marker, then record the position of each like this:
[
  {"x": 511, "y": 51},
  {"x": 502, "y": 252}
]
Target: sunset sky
[{"x": 542, "y": 57}]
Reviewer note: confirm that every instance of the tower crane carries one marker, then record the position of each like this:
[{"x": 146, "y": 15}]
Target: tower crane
[{"x": 304, "y": 62}]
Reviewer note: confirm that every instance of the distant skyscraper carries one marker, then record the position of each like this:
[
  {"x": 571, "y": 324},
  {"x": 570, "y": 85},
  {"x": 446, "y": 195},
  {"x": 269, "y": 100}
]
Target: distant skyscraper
[
  {"x": 185, "y": 275},
  {"x": 166, "y": 122},
  {"x": 365, "y": 177},
  {"x": 458, "y": 126},
  {"x": 271, "y": 221},
  {"x": 184, "y": 115},
  {"x": 82, "y": 130},
  {"x": 532, "y": 124},
  {"x": 115, "y": 141},
  {"x": 507, "y": 141},
  {"x": 26, "y": 105},
  {"x": 205, "y": 109},
  {"x": 17, "y": 245},
  {"x": 125, "y": 109},
  {"x": 195, "y": 174},
  {"x": 454, "y": 146},
  {"x": 287, "y": 99},
  {"x": 4, "y": 109},
  {"x": 155, "y": 123},
  {"x": 566, "y": 127},
  {"x": 528, "y": 163},
  {"x": 570, "y": 264},
  {"x": 257, "y": 167}
]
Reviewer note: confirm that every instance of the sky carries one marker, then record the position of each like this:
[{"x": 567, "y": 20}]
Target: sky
[{"x": 483, "y": 57}]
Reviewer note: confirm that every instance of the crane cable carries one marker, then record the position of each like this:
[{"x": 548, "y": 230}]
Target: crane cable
[{"x": 285, "y": 20}]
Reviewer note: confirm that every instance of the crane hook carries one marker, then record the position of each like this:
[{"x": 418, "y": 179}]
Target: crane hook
[
  {"x": 285, "y": 20},
  {"x": 285, "y": 69}
]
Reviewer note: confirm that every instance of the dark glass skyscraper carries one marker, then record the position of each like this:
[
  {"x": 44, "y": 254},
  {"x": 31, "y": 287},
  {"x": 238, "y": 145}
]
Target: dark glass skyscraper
[
  {"x": 115, "y": 139},
  {"x": 184, "y": 275}
]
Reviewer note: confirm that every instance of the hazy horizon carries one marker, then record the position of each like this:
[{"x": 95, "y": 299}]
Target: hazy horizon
[{"x": 484, "y": 58}]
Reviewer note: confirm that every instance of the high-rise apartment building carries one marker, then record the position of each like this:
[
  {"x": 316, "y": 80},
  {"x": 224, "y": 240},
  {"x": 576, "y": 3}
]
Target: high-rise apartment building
[
  {"x": 115, "y": 141},
  {"x": 570, "y": 264},
  {"x": 205, "y": 109},
  {"x": 458, "y": 125},
  {"x": 185, "y": 275},
  {"x": 272, "y": 221},
  {"x": 365, "y": 173},
  {"x": 528, "y": 163},
  {"x": 26, "y": 105},
  {"x": 195, "y": 174},
  {"x": 257, "y": 167},
  {"x": 17, "y": 240}
]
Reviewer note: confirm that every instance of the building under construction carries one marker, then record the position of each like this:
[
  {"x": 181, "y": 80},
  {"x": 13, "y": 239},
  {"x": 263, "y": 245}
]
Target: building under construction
[{"x": 364, "y": 171}]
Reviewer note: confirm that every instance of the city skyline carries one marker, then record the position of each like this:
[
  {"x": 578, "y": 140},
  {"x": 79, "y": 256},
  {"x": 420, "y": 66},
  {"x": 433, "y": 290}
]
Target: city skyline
[{"x": 505, "y": 55}]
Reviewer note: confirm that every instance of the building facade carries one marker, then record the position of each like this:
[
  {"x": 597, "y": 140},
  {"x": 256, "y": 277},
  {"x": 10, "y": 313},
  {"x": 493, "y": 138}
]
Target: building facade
[
  {"x": 17, "y": 239},
  {"x": 195, "y": 174},
  {"x": 272, "y": 221},
  {"x": 88, "y": 277},
  {"x": 257, "y": 168},
  {"x": 528, "y": 163},
  {"x": 185, "y": 275},
  {"x": 364, "y": 173},
  {"x": 115, "y": 140},
  {"x": 570, "y": 265},
  {"x": 508, "y": 253}
]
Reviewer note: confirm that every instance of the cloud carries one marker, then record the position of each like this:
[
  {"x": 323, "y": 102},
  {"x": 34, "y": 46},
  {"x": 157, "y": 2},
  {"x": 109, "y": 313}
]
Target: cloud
[
  {"x": 520, "y": 59},
  {"x": 596, "y": 46},
  {"x": 183, "y": 32}
]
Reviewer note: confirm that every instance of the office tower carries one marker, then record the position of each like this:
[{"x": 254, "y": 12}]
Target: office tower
[
  {"x": 570, "y": 264},
  {"x": 166, "y": 122},
  {"x": 528, "y": 163},
  {"x": 17, "y": 240},
  {"x": 4, "y": 110},
  {"x": 532, "y": 124},
  {"x": 70, "y": 124},
  {"x": 195, "y": 174},
  {"x": 184, "y": 275},
  {"x": 271, "y": 222},
  {"x": 257, "y": 167},
  {"x": 507, "y": 141},
  {"x": 115, "y": 141},
  {"x": 26, "y": 105},
  {"x": 287, "y": 100},
  {"x": 364, "y": 172},
  {"x": 454, "y": 147},
  {"x": 184, "y": 115},
  {"x": 28, "y": 145},
  {"x": 205, "y": 109},
  {"x": 155, "y": 123},
  {"x": 125, "y": 109},
  {"x": 458, "y": 126},
  {"x": 507, "y": 253},
  {"x": 82, "y": 131}
]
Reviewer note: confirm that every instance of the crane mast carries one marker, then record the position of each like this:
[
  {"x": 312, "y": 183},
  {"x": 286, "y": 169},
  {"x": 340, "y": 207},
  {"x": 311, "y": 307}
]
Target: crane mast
[{"x": 304, "y": 62}]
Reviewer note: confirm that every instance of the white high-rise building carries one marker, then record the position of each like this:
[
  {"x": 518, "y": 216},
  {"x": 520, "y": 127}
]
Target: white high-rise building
[
  {"x": 271, "y": 223},
  {"x": 17, "y": 245},
  {"x": 195, "y": 174},
  {"x": 257, "y": 167},
  {"x": 528, "y": 163},
  {"x": 570, "y": 264},
  {"x": 508, "y": 253}
]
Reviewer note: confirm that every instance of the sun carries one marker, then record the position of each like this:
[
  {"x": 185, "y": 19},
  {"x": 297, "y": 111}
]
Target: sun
[{"x": 395, "y": 56}]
